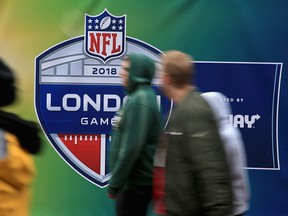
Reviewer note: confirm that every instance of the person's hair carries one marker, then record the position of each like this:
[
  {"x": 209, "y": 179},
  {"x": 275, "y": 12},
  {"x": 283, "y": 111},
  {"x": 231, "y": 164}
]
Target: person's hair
[
  {"x": 179, "y": 66},
  {"x": 7, "y": 84}
]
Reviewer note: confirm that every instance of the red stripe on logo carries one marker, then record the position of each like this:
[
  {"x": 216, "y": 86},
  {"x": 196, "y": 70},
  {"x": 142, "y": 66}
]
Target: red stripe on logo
[{"x": 86, "y": 147}]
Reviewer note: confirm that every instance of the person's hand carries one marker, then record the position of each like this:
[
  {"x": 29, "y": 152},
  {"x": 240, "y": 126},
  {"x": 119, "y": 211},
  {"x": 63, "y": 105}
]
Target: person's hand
[{"x": 111, "y": 196}]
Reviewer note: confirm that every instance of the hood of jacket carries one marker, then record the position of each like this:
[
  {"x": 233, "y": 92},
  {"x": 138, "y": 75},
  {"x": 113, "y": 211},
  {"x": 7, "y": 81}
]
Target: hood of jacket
[
  {"x": 220, "y": 108},
  {"x": 141, "y": 72}
]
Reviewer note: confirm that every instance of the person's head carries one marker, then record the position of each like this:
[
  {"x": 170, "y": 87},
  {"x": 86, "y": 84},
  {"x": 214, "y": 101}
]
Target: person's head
[
  {"x": 177, "y": 71},
  {"x": 7, "y": 85},
  {"x": 137, "y": 69}
]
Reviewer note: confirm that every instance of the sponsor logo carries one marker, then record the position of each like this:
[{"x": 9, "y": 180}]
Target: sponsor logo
[
  {"x": 78, "y": 90},
  {"x": 243, "y": 121}
]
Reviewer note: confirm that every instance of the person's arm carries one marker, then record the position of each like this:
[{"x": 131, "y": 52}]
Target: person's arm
[{"x": 137, "y": 122}]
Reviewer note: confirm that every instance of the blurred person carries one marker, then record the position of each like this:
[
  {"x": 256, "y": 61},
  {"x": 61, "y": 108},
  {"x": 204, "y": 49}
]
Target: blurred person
[
  {"x": 19, "y": 140},
  {"x": 235, "y": 151},
  {"x": 158, "y": 176},
  {"x": 197, "y": 179},
  {"x": 134, "y": 139}
]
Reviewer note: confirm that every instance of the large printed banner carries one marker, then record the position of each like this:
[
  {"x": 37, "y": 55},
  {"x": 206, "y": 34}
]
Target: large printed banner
[
  {"x": 78, "y": 91},
  {"x": 67, "y": 56}
]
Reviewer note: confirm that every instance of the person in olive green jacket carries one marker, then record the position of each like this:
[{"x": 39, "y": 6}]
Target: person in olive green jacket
[
  {"x": 134, "y": 139},
  {"x": 197, "y": 179}
]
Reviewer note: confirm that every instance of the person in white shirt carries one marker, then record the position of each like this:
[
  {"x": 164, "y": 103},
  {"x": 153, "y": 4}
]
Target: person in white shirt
[{"x": 235, "y": 151}]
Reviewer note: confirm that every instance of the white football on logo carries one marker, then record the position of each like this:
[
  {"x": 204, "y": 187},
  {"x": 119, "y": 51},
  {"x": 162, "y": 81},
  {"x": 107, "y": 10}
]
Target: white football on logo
[{"x": 105, "y": 22}]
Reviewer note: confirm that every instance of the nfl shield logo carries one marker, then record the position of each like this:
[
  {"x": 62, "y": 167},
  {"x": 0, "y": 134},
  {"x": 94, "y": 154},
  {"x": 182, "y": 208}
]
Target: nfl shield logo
[
  {"x": 76, "y": 97},
  {"x": 105, "y": 36},
  {"x": 78, "y": 91}
]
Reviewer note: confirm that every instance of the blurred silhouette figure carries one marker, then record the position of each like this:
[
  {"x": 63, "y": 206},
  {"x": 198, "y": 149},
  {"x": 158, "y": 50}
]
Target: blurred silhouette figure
[
  {"x": 197, "y": 179},
  {"x": 19, "y": 140},
  {"x": 235, "y": 151}
]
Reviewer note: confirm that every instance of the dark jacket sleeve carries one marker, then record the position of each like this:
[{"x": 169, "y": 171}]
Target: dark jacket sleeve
[
  {"x": 136, "y": 124},
  {"x": 27, "y": 132}
]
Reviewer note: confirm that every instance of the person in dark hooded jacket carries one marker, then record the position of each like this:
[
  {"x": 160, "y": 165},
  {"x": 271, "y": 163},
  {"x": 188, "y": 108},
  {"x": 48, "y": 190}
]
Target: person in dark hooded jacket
[{"x": 134, "y": 139}]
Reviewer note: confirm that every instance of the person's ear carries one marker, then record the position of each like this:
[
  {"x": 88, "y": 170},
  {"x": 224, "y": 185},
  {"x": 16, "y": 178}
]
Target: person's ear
[{"x": 167, "y": 79}]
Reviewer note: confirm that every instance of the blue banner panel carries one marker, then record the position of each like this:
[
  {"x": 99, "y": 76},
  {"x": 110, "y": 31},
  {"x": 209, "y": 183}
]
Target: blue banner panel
[{"x": 253, "y": 90}]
